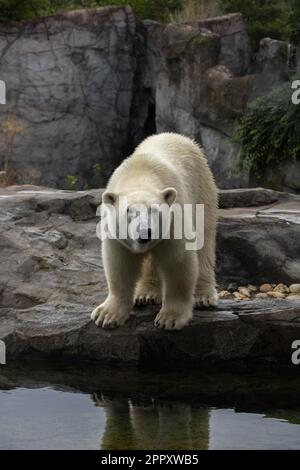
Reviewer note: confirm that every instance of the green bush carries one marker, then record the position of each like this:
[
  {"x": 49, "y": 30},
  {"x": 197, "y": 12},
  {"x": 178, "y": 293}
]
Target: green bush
[
  {"x": 11, "y": 10},
  {"x": 270, "y": 130},
  {"x": 263, "y": 18},
  {"x": 19, "y": 9},
  {"x": 295, "y": 21},
  {"x": 150, "y": 9},
  {"x": 71, "y": 182}
]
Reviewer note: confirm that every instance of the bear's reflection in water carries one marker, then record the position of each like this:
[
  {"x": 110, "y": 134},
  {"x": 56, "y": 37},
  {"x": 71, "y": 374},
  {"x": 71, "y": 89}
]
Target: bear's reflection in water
[{"x": 153, "y": 425}]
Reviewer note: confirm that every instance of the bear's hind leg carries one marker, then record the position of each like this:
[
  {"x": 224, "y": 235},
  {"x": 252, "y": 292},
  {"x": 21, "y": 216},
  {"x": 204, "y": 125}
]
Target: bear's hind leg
[
  {"x": 148, "y": 288},
  {"x": 206, "y": 292}
]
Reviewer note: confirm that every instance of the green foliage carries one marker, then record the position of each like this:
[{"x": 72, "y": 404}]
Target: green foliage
[
  {"x": 19, "y": 9},
  {"x": 279, "y": 19},
  {"x": 71, "y": 182},
  {"x": 295, "y": 21},
  {"x": 150, "y": 9},
  {"x": 11, "y": 10},
  {"x": 263, "y": 18},
  {"x": 270, "y": 130}
]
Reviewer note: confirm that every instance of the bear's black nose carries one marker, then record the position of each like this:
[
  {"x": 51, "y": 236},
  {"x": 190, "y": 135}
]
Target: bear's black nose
[{"x": 145, "y": 236}]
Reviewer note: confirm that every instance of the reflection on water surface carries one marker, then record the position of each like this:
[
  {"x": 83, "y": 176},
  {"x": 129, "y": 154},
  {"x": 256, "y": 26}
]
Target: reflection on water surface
[{"x": 83, "y": 407}]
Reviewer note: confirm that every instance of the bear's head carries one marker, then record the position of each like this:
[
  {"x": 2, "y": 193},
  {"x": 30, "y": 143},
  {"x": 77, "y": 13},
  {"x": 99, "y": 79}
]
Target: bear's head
[{"x": 139, "y": 219}]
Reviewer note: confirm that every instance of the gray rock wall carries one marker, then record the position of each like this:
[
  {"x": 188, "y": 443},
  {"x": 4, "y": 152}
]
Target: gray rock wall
[
  {"x": 207, "y": 77},
  {"x": 70, "y": 85},
  {"x": 85, "y": 87}
]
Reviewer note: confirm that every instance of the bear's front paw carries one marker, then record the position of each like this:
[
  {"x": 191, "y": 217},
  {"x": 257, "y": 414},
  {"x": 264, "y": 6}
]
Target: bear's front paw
[
  {"x": 209, "y": 299},
  {"x": 172, "y": 320},
  {"x": 109, "y": 316}
]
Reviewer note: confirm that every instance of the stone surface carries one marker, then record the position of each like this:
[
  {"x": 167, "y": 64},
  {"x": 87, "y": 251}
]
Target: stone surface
[
  {"x": 235, "y": 51},
  {"x": 261, "y": 330},
  {"x": 251, "y": 197},
  {"x": 2, "y": 178},
  {"x": 51, "y": 276},
  {"x": 259, "y": 244},
  {"x": 273, "y": 57},
  {"x": 265, "y": 288},
  {"x": 295, "y": 289},
  {"x": 85, "y": 87},
  {"x": 282, "y": 176},
  {"x": 70, "y": 80},
  {"x": 203, "y": 88}
]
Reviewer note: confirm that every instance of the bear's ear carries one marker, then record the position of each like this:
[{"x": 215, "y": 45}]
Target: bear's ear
[
  {"x": 109, "y": 197},
  {"x": 169, "y": 195}
]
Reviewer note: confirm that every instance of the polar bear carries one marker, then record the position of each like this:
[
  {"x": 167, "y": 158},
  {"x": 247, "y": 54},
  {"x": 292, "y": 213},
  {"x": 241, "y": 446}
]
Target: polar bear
[{"x": 143, "y": 269}]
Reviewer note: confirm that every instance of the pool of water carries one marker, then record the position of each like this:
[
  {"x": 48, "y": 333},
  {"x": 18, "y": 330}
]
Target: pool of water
[{"x": 84, "y": 407}]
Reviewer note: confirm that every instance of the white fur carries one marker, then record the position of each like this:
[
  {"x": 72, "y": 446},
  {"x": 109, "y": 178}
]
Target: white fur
[{"x": 163, "y": 270}]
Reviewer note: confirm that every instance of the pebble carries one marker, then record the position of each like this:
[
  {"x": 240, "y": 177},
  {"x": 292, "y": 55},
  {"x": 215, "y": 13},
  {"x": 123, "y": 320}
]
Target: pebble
[
  {"x": 224, "y": 294},
  {"x": 56, "y": 239},
  {"x": 265, "y": 291},
  {"x": 232, "y": 287},
  {"x": 266, "y": 288},
  {"x": 262, "y": 295},
  {"x": 239, "y": 297},
  {"x": 281, "y": 288},
  {"x": 276, "y": 295},
  {"x": 293, "y": 297},
  {"x": 244, "y": 291},
  {"x": 295, "y": 289},
  {"x": 252, "y": 288}
]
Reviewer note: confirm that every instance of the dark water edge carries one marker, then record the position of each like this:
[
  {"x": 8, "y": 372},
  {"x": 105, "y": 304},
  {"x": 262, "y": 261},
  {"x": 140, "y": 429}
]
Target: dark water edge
[{"x": 70, "y": 405}]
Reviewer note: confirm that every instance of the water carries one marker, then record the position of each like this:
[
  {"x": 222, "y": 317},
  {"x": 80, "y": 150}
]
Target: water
[{"x": 84, "y": 407}]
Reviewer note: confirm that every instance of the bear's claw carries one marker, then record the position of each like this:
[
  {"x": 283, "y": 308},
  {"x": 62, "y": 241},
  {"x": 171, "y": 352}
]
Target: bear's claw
[
  {"x": 147, "y": 299},
  {"x": 171, "y": 321},
  {"x": 107, "y": 318},
  {"x": 206, "y": 300}
]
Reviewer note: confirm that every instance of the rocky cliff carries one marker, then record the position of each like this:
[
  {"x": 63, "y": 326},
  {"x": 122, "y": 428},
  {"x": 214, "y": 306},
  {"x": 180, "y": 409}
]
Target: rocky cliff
[
  {"x": 70, "y": 82},
  {"x": 84, "y": 87}
]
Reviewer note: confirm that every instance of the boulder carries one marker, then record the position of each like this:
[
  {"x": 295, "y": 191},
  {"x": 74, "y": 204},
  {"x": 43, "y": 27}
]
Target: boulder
[
  {"x": 70, "y": 82},
  {"x": 235, "y": 51},
  {"x": 51, "y": 277},
  {"x": 281, "y": 176},
  {"x": 273, "y": 57},
  {"x": 258, "y": 245},
  {"x": 251, "y": 197},
  {"x": 263, "y": 331},
  {"x": 204, "y": 86}
]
